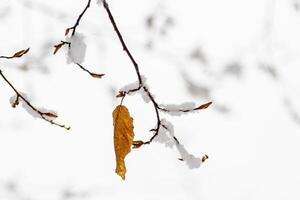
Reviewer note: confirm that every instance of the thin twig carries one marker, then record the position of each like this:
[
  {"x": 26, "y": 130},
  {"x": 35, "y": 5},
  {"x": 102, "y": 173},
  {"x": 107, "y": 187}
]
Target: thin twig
[
  {"x": 91, "y": 73},
  {"x": 156, "y": 112},
  {"x": 43, "y": 115},
  {"x": 73, "y": 28},
  {"x": 112, "y": 20}
]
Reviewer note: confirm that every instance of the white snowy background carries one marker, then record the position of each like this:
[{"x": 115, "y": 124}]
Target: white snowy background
[{"x": 241, "y": 54}]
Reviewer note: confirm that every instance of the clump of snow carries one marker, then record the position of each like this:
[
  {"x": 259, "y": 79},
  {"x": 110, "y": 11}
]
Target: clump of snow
[
  {"x": 163, "y": 137},
  {"x": 141, "y": 91},
  {"x": 133, "y": 86},
  {"x": 32, "y": 112},
  {"x": 129, "y": 87},
  {"x": 14, "y": 100},
  {"x": 168, "y": 125},
  {"x": 177, "y": 110},
  {"x": 77, "y": 49},
  {"x": 166, "y": 136},
  {"x": 191, "y": 160},
  {"x": 99, "y": 2},
  {"x": 145, "y": 95}
]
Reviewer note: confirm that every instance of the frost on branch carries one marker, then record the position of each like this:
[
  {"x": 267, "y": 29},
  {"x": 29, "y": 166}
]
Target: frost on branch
[
  {"x": 42, "y": 114},
  {"x": 77, "y": 48}
]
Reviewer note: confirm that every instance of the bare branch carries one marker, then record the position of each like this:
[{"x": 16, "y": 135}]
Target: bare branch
[
  {"x": 112, "y": 20},
  {"x": 73, "y": 28},
  {"x": 91, "y": 73}
]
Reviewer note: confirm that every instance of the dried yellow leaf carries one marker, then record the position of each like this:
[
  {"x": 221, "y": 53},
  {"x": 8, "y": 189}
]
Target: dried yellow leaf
[{"x": 123, "y": 137}]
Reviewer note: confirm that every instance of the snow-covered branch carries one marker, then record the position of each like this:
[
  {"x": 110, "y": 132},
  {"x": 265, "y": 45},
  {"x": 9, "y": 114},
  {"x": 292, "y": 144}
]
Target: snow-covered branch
[
  {"x": 42, "y": 113},
  {"x": 76, "y": 45},
  {"x": 162, "y": 126}
]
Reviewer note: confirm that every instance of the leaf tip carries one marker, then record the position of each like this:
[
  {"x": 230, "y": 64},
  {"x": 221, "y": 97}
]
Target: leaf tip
[
  {"x": 67, "y": 31},
  {"x": 204, "y": 106},
  {"x": 97, "y": 75}
]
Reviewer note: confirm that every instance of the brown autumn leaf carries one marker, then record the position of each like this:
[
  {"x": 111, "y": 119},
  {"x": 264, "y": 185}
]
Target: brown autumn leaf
[
  {"x": 49, "y": 114},
  {"x": 137, "y": 144},
  {"x": 20, "y": 53},
  {"x": 121, "y": 94},
  {"x": 123, "y": 137},
  {"x": 96, "y": 75},
  {"x": 67, "y": 31},
  {"x": 204, "y": 106},
  {"x": 16, "y": 102},
  {"x": 57, "y": 47},
  {"x": 204, "y": 158}
]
